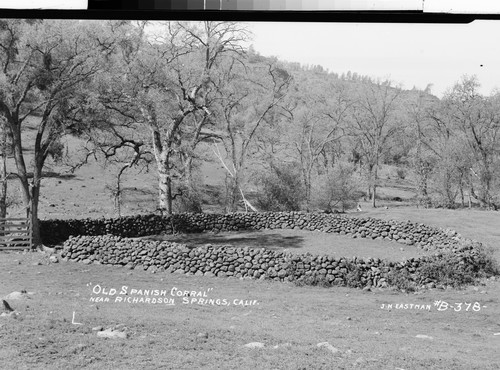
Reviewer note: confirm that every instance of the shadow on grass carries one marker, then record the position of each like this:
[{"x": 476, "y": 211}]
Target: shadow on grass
[{"x": 251, "y": 239}]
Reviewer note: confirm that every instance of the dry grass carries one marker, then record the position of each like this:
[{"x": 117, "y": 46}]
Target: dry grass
[{"x": 352, "y": 321}]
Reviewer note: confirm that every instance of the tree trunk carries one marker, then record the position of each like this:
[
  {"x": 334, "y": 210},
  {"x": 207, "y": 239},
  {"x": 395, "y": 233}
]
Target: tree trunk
[
  {"x": 35, "y": 227},
  {"x": 188, "y": 172},
  {"x": 3, "y": 171},
  {"x": 35, "y": 196},
  {"x": 164, "y": 188},
  {"x": 118, "y": 192},
  {"x": 233, "y": 193},
  {"x": 423, "y": 174},
  {"x": 3, "y": 176},
  {"x": 308, "y": 187},
  {"x": 162, "y": 156},
  {"x": 462, "y": 197},
  {"x": 31, "y": 208},
  {"x": 374, "y": 194}
]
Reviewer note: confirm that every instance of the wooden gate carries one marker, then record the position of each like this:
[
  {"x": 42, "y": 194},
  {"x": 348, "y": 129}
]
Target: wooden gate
[{"x": 15, "y": 233}]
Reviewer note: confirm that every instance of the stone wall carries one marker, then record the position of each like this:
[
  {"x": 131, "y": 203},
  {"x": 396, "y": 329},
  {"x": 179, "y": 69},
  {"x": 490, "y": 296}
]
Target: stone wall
[
  {"x": 245, "y": 262},
  {"x": 426, "y": 237},
  {"x": 111, "y": 241}
]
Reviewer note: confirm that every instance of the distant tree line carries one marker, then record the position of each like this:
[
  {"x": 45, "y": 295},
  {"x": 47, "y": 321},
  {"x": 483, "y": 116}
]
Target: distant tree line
[{"x": 173, "y": 95}]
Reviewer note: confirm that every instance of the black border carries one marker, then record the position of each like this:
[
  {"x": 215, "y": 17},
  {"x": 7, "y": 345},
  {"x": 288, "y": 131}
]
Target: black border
[{"x": 128, "y": 10}]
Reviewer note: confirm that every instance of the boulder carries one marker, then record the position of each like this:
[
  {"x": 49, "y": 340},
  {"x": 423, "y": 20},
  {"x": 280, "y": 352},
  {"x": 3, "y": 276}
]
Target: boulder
[{"x": 112, "y": 334}]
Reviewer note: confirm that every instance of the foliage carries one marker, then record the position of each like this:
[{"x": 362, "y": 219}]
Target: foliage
[
  {"x": 338, "y": 188},
  {"x": 354, "y": 276},
  {"x": 190, "y": 200},
  {"x": 449, "y": 269},
  {"x": 281, "y": 189},
  {"x": 402, "y": 280}
]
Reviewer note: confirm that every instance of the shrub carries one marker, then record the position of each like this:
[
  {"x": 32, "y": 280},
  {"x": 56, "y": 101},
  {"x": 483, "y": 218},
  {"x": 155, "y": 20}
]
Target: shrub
[
  {"x": 354, "y": 275},
  {"x": 460, "y": 269},
  {"x": 189, "y": 202},
  {"x": 446, "y": 271},
  {"x": 281, "y": 189},
  {"x": 338, "y": 188},
  {"x": 480, "y": 260},
  {"x": 402, "y": 280}
]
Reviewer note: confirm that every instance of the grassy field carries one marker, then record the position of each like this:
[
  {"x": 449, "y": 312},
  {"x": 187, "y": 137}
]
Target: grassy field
[{"x": 289, "y": 321}]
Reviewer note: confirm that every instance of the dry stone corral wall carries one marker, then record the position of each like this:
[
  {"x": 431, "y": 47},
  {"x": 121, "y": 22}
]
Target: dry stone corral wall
[
  {"x": 423, "y": 236},
  {"x": 111, "y": 241},
  {"x": 208, "y": 260}
]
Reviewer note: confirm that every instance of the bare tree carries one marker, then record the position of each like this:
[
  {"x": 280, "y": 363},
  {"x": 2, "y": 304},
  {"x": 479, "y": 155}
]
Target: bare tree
[
  {"x": 248, "y": 94},
  {"x": 424, "y": 156},
  {"x": 375, "y": 121},
  {"x": 316, "y": 125},
  {"x": 478, "y": 120},
  {"x": 469, "y": 123}
]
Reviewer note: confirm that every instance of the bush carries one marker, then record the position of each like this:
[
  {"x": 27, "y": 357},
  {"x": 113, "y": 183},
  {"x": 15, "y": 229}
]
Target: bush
[
  {"x": 480, "y": 260},
  {"x": 447, "y": 271},
  {"x": 460, "y": 269},
  {"x": 402, "y": 280},
  {"x": 189, "y": 201},
  {"x": 338, "y": 189},
  {"x": 281, "y": 189},
  {"x": 354, "y": 275}
]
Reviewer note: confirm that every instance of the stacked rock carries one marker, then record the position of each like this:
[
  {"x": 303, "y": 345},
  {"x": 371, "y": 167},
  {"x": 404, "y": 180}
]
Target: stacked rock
[
  {"x": 260, "y": 263},
  {"x": 423, "y": 236}
]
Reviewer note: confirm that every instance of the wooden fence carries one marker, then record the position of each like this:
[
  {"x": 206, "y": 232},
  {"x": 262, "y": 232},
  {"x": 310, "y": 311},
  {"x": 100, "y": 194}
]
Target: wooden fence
[{"x": 15, "y": 233}]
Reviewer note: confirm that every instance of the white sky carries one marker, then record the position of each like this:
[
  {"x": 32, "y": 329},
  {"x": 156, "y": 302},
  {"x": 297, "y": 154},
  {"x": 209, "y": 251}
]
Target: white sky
[{"x": 410, "y": 54}]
